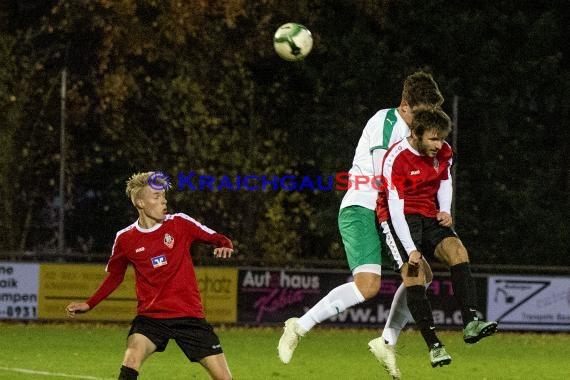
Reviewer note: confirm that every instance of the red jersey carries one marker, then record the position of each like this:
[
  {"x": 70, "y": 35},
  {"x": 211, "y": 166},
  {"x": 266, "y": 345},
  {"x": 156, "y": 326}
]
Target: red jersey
[
  {"x": 166, "y": 284},
  {"x": 413, "y": 178}
]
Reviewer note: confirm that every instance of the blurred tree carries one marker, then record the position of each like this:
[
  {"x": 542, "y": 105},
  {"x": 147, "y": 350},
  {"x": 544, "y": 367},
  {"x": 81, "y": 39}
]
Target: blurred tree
[{"x": 195, "y": 87}]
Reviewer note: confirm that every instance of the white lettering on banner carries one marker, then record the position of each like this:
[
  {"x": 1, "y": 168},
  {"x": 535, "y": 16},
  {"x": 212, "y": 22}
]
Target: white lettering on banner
[
  {"x": 379, "y": 314},
  {"x": 19, "y": 290},
  {"x": 529, "y": 302}
]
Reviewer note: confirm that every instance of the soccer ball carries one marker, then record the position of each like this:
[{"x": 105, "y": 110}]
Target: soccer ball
[{"x": 293, "y": 41}]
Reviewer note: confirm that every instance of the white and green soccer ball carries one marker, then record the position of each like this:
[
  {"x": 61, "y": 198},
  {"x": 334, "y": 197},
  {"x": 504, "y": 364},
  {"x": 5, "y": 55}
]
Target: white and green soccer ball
[{"x": 293, "y": 41}]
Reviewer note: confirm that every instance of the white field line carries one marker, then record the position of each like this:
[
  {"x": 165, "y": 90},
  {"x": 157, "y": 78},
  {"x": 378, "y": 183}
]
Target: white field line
[{"x": 55, "y": 374}]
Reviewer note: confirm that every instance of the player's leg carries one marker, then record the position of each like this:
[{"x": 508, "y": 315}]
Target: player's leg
[
  {"x": 362, "y": 245},
  {"x": 217, "y": 367},
  {"x": 415, "y": 283},
  {"x": 452, "y": 251},
  {"x": 197, "y": 339},
  {"x": 420, "y": 309},
  {"x": 139, "y": 348},
  {"x": 145, "y": 337},
  {"x": 399, "y": 314}
]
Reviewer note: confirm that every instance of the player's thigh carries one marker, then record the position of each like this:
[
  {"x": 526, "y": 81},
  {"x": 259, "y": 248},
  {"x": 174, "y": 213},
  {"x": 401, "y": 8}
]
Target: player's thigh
[
  {"x": 357, "y": 226},
  {"x": 217, "y": 366},
  {"x": 196, "y": 338}
]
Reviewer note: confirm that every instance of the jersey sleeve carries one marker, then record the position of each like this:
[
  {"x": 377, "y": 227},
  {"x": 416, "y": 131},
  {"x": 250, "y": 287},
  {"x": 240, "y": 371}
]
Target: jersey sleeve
[
  {"x": 394, "y": 177},
  {"x": 116, "y": 268},
  {"x": 118, "y": 262},
  {"x": 204, "y": 234},
  {"x": 109, "y": 284},
  {"x": 445, "y": 194},
  {"x": 445, "y": 191}
]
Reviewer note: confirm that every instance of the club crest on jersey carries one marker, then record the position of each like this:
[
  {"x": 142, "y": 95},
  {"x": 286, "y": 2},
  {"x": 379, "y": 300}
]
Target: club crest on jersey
[
  {"x": 168, "y": 240},
  {"x": 158, "y": 261}
]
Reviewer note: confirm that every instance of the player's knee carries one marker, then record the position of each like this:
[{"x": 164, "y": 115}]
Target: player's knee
[
  {"x": 132, "y": 362},
  {"x": 428, "y": 272},
  {"x": 133, "y": 358},
  {"x": 412, "y": 276},
  {"x": 368, "y": 284},
  {"x": 452, "y": 251}
]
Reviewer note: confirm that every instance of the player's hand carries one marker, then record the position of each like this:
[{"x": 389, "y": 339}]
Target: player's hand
[
  {"x": 223, "y": 252},
  {"x": 444, "y": 219},
  {"x": 77, "y": 307},
  {"x": 414, "y": 258}
]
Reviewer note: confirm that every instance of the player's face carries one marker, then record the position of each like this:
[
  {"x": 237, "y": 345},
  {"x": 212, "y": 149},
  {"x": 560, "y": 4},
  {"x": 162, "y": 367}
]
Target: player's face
[
  {"x": 153, "y": 203},
  {"x": 430, "y": 143}
]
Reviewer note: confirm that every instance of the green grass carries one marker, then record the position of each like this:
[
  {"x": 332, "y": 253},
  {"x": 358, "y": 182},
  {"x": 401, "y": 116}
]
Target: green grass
[{"x": 97, "y": 350}]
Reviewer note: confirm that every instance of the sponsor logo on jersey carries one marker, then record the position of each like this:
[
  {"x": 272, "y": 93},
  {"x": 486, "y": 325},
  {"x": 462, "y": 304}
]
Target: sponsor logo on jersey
[
  {"x": 415, "y": 172},
  {"x": 158, "y": 261},
  {"x": 168, "y": 240},
  {"x": 139, "y": 249}
]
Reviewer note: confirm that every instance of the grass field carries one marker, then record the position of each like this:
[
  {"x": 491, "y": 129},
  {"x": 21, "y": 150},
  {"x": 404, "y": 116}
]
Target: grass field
[{"x": 88, "y": 351}]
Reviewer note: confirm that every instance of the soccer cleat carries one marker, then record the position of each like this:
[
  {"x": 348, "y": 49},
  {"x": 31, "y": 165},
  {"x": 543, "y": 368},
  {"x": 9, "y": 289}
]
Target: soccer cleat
[
  {"x": 438, "y": 356},
  {"x": 386, "y": 355},
  {"x": 292, "y": 333},
  {"x": 477, "y": 330}
]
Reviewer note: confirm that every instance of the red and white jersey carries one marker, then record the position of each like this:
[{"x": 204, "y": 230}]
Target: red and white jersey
[
  {"x": 415, "y": 179},
  {"x": 166, "y": 284}
]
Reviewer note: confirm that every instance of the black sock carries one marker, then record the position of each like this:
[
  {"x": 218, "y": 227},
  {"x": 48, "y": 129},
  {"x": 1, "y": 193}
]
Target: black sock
[
  {"x": 128, "y": 373},
  {"x": 420, "y": 309},
  {"x": 464, "y": 291}
]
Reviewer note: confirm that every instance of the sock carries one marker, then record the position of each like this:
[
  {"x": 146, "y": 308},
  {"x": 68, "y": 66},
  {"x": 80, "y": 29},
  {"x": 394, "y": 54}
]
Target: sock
[
  {"x": 464, "y": 291},
  {"x": 338, "y": 300},
  {"x": 399, "y": 316},
  {"x": 420, "y": 309},
  {"x": 128, "y": 373}
]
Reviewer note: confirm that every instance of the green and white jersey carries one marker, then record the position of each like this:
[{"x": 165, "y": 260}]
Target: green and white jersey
[{"x": 382, "y": 131}]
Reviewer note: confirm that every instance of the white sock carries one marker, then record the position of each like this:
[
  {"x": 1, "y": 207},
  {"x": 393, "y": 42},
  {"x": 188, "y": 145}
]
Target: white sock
[
  {"x": 337, "y": 301},
  {"x": 398, "y": 317}
]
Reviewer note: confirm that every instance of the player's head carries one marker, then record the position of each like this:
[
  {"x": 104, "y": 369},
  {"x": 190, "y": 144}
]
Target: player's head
[
  {"x": 430, "y": 127},
  {"x": 142, "y": 185},
  {"x": 420, "y": 89}
]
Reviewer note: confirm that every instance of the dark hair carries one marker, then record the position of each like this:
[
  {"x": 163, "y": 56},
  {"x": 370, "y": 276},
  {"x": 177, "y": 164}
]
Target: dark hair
[
  {"x": 431, "y": 118},
  {"x": 420, "y": 88}
]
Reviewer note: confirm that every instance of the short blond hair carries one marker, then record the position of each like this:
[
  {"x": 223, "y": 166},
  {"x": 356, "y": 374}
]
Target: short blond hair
[{"x": 137, "y": 182}]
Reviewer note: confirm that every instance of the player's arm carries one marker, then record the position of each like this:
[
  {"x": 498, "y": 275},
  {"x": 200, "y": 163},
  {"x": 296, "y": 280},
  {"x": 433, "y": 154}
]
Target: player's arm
[
  {"x": 203, "y": 234},
  {"x": 398, "y": 218},
  {"x": 395, "y": 195},
  {"x": 444, "y": 198},
  {"x": 109, "y": 284},
  {"x": 116, "y": 269},
  {"x": 377, "y": 158}
]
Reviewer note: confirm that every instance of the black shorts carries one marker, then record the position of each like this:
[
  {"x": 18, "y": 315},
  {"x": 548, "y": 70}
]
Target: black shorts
[
  {"x": 426, "y": 233},
  {"x": 194, "y": 336}
]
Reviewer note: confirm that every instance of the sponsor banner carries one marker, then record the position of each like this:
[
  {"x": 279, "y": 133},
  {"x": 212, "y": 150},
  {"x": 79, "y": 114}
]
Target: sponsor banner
[
  {"x": 218, "y": 288},
  {"x": 61, "y": 284},
  {"x": 271, "y": 296},
  {"x": 18, "y": 291},
  {"x": 529, "y": 302}
]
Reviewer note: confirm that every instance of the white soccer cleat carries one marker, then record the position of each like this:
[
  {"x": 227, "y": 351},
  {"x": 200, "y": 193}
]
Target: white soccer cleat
[
  {"x": 386, "y": 354},
  {"x": 292, "y": 333}
]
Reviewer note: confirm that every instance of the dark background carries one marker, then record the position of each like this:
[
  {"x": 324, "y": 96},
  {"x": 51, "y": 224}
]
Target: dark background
[{"x": 196, "y": 87}]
